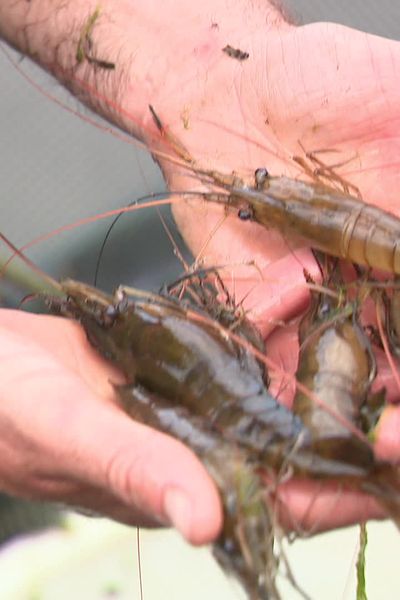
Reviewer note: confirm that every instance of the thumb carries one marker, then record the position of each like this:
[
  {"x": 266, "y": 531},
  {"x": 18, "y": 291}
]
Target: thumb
[
  {"x": 56, "y": 431},
  {"x": 151, "y": 471}
]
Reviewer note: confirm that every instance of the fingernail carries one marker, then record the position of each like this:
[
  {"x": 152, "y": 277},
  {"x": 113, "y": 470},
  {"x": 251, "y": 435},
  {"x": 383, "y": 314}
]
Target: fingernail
[{"x": 178, "y": 509}]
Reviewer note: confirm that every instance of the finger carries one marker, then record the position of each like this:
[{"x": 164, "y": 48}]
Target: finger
[
  {"x": 156, "y": 474},
  {"x": 312, "y": 506},
  {"x": 387, "y": 445},
  {"x": 55, "y": 429},
  {"x": 309, "y": 507}
]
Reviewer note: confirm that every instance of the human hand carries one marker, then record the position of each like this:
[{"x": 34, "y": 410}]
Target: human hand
[
  {"x": 331, "y": 88},
  {"x": 63, "y": 438}
]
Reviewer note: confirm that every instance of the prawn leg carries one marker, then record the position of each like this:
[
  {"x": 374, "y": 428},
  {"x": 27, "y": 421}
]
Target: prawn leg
[
  {"x": 324, "y": 171},
  {"x": 391, "y": 310}
]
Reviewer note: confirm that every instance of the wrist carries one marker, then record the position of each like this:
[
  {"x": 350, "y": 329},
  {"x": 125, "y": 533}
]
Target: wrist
[{"x": 120, "y": 61}]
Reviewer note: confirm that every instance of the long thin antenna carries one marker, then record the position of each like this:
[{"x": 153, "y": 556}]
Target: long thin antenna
[
  {"x": 139, "y": 561},
  {"x": 53, "y": 282}
]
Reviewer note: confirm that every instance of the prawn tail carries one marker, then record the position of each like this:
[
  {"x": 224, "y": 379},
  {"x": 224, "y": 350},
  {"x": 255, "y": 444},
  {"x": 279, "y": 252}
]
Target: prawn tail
[
  {"x": 245, "y": 547},
  {"x": 384, "y": 484}
]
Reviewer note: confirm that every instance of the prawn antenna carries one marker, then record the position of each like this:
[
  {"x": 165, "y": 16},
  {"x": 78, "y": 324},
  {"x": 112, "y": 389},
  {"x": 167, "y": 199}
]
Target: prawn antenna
[
  {"x": 156, "y": 120},
  {"x": 50, "y": 280}
]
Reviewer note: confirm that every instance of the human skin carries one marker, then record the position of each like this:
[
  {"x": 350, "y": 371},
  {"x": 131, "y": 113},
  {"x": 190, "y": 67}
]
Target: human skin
[{"x": 61, "y": 434}]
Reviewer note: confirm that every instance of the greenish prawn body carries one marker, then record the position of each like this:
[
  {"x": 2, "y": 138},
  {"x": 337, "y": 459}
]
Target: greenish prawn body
[{"x": 187, "y": 377}]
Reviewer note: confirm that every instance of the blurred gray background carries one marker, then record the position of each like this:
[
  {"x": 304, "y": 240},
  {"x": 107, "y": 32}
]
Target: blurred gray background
[
  {"x": 55, "y": 168},
  {"x": 379, "y": 17}
]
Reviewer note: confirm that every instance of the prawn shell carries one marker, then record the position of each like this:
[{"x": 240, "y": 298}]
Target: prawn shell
[
  {"x": 338, "y": 224},
  {"x": 187, "y": 362},
  {"x": 335, "y": 362}
]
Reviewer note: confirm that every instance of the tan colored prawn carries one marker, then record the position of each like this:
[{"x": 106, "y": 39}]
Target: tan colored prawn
[{"x": 335, "y": 222}]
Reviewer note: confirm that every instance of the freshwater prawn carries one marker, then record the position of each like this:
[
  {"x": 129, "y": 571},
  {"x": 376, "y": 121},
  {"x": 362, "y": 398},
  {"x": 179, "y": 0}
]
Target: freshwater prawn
[
  {"x": 327, "y": 219},
  {"x": 336, "y": 361}
]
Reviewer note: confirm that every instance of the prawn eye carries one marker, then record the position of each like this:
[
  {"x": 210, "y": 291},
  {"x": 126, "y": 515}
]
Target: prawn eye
[
  {"x": 324, "y": 310},
  {"x": 261, "y": 175},
  {"x": 120, "y": 299},
  {"x": 245, "y": 214},
  {"x": 109, "y": 315},
  {"x": 111, "y": 311}
]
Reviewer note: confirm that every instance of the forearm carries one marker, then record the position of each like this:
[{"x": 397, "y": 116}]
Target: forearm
[{"x": 132, "y": 53}]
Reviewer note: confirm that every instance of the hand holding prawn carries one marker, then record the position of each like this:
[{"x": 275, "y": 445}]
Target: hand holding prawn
[{"x": 322, "y": 130}]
